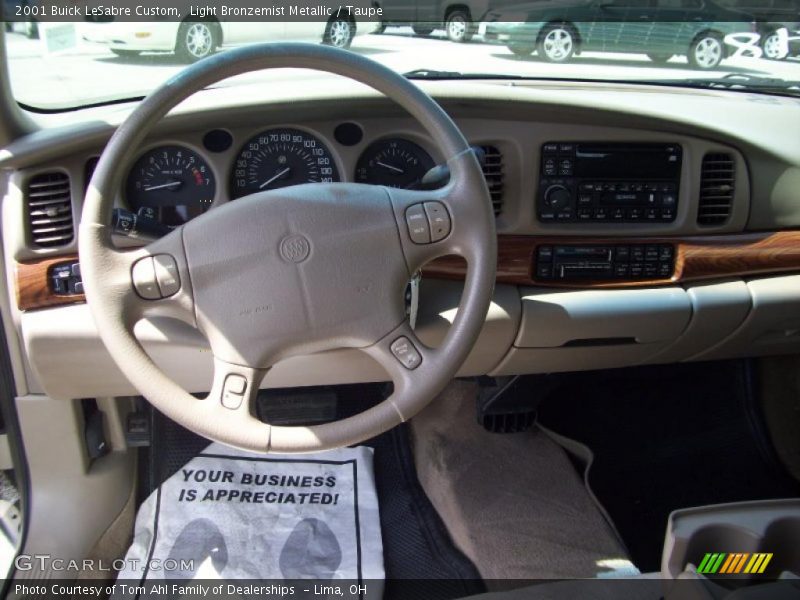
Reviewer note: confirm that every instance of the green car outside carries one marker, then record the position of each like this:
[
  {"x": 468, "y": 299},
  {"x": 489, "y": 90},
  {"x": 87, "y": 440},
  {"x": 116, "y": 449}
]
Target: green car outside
[{"x": 558, "y": 30}]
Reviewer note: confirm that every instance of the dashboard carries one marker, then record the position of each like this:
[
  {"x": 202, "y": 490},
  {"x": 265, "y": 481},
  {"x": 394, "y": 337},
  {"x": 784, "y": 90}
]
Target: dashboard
[{"x": 634, "y": 226}]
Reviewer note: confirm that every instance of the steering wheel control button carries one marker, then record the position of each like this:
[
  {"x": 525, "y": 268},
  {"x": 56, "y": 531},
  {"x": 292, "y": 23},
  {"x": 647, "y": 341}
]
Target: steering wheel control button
[
  {"x": 418, "y": 228},
  {"x": 144, "y": 279},
  {"x": 169, "y": 282},
  {"x": 406, "y": 353},
  {"x": 438, "y": 219},
  {"x": 233, "y": 391}
]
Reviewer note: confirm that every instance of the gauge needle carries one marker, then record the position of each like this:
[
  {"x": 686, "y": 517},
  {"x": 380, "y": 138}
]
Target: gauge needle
[
  {"x": 274, "y": 177},
  {"x": 390, "y": 167},
  {"x": 162, "y": 186}
]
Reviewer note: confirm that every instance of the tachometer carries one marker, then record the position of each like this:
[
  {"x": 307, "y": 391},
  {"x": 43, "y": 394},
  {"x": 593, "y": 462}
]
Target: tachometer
[
  {"x": 279, "y": 158},
  {"x": 171, "y": 184},
  {"x": 395, "y": 163}
]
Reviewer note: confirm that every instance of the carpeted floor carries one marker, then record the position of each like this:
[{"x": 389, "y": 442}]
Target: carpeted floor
[{"x": 513, "y": 503}]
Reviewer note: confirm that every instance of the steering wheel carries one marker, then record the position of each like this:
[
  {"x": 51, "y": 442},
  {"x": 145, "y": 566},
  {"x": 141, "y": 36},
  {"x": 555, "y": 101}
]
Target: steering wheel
[{"x": 292, "y": 271}]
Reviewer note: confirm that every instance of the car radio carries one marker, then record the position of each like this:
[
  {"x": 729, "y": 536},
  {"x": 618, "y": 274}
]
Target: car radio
[{"x": 609, "y": 182}]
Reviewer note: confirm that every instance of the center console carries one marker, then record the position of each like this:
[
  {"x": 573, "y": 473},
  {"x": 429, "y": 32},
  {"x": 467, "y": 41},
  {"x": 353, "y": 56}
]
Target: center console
[{"x": 597, "y": 182}]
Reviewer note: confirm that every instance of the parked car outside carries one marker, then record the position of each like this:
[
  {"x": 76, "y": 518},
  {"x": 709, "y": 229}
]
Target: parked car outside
[
  {"x": 660, "y": 29},
  {"x": 775, "y": 14},
  {"x": 458, "y": 18},
  {"x": 194, "y": 40}
]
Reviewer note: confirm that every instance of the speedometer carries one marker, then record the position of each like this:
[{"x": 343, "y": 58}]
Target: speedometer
[{"x": 279, "y": 158}]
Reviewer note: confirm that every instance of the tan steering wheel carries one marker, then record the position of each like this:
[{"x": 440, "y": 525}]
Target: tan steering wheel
[{"x": 291, "y": 271}]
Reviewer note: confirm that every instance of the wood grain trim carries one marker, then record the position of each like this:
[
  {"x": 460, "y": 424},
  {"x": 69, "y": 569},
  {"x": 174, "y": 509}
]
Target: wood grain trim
[
  {"x": 33, "y": 285},
  {"x": 697, "y": 258}
]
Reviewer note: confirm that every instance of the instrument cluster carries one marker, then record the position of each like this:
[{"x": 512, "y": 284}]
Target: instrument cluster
[{"x": 174, "y": 183}]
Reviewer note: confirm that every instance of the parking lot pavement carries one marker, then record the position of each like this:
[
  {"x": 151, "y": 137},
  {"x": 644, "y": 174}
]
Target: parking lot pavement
[{"x": 58, "y": 80}]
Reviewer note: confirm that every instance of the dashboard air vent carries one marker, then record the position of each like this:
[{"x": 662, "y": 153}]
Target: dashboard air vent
[
  {"x": 49, "y": 203},
  {"x": 493, "y": 172},
  {"x": 716, "y": 189}
]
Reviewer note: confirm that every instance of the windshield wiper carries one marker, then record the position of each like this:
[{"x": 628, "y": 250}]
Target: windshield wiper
[
  {"x": 740, "y": 82},
  {"x": 434, "y": 74}
]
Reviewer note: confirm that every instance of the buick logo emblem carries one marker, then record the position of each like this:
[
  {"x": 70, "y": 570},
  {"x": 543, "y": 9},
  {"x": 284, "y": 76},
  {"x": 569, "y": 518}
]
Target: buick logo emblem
[{"x": 295, "y": 248}]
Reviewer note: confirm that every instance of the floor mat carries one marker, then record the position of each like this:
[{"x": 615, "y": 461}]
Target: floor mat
[
  {"x": 667, "y": 437},
  {"x": 232, "y": 515},
  {"x": 513, "y": 502},
  {"x": 420, "y": 559}
]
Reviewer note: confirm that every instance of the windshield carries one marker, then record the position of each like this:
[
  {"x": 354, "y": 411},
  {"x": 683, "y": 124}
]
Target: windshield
[{"x": 65, "y": 54}]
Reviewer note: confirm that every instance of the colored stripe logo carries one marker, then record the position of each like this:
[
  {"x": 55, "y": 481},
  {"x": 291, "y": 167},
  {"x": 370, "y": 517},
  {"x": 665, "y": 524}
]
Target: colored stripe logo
[{"x": 733, "y": 563}]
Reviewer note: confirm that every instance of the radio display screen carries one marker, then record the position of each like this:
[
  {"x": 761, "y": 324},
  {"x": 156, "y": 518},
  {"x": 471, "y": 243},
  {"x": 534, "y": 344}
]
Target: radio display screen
[{"x": 620, "y": 161}]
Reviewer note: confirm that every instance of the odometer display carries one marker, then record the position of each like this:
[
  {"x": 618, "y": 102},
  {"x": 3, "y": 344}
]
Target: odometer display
[
  {"x": 279, "y": 158},
  {"x": 171, "y": 184}
]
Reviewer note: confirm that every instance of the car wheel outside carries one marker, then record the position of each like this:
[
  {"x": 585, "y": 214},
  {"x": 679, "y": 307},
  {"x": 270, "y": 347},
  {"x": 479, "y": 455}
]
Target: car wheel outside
[
  {"x": 339, "y": 33},
  {"x": 772, "y": 47},
  {"x": 706, "y": 52},
  {"x": 196, "y": 40},
  {"x": 557, "y": 43},
  {"x": 459, "y": 26}
]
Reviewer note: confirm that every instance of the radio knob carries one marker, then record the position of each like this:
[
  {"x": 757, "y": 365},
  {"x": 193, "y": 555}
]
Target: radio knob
[{"x": 557, "y": 197}]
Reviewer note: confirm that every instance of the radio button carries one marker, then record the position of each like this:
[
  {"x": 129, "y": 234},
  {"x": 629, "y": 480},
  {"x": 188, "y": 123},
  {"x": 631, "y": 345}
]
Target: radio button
[
  {"x": 565, "y": 167},
  {"x": 618, "y": 214},
  {"x": 665, "y": 270},
  {"x": 621, "y": 270},
  {"x": 585, "y": 199},
  {"x": 667, "y": 214},
  {"x": 549, "y": 167},
  {"x": 637, "y": 253},
  {"x": 544, "y": 271},
  {"x": 550, "y": 148},
  {"x": 564, "y": 215},
  {"x": 637, "y": 269},
  {"x": 665, "y": 252},
  {"x": 547, "y": 216},
  {"x": 586, "y": 187},
  {"x": 566, "y": 148},
  {"x": 584, "y": 214},
  {"x": 650, "y": 270},
  {"x": 651, "y": 253},
  {"x": 669, "y": 200},
  {"x": 651, "y": 214},
  {"x": 622, "y": 253},
  {"x": 635, "y": 214},
  {"x": 600, "y": 214},
  {"x": 545, "y": 253}
]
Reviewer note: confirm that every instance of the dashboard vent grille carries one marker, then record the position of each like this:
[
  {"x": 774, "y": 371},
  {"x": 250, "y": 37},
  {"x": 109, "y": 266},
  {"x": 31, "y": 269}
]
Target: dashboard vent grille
[
  {"x": 49, "y": 201},
  {"x": 493, "y": 172},
  {"x": 716, "y": 189}
]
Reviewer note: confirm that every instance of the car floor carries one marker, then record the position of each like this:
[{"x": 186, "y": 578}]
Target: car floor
[
  {"x": 668, "y": 437},
  {"x": 513, "y": 503}
]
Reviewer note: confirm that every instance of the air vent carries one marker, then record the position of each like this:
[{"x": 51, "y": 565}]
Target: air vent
[
  {"x": 716, "y": 189},
  {"x": 50, "y": 209},
  {"x": 493, "y": 172}
]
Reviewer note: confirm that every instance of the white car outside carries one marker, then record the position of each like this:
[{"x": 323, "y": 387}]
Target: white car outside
[{"x": 195, "y": 40}]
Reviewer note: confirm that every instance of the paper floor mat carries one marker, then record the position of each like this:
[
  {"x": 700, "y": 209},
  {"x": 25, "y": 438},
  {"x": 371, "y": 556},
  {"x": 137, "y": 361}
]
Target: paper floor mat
[{"x": 232, "y": 515}]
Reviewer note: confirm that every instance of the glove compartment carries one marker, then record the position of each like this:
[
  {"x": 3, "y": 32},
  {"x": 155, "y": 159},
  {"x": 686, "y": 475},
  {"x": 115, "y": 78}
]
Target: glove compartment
[{"x": 594, "y": 329}]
